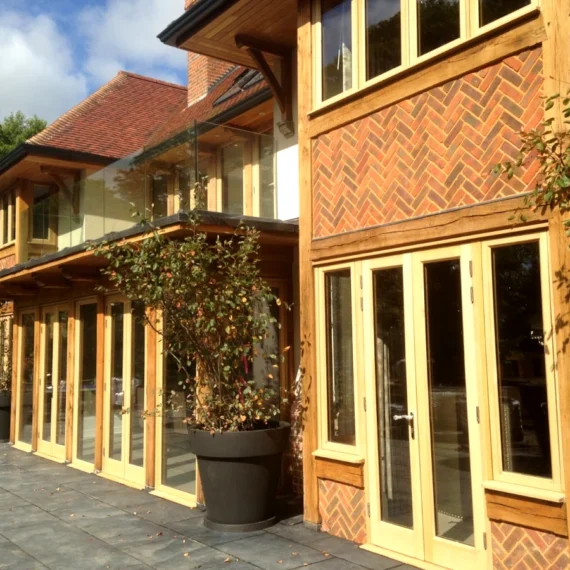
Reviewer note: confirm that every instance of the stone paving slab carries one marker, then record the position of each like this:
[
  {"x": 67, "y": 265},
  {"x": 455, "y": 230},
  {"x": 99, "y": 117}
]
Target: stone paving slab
[{"x": 57, "y": 518}]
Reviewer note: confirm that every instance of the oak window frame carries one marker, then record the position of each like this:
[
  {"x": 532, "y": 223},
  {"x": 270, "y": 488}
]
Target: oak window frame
[{"x": 470, "y": 29}]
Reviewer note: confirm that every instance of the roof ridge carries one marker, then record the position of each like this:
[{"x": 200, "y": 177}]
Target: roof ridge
[{"x": 152, "y": 79}]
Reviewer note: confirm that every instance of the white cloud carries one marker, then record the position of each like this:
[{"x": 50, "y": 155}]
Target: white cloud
[
  {"x": 37, "y": 74},
  {"x": 121, "y": 34}
]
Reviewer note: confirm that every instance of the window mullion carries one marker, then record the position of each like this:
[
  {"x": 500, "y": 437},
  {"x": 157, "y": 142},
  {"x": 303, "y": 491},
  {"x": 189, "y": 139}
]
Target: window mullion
[{"x": 411, "y": 22}]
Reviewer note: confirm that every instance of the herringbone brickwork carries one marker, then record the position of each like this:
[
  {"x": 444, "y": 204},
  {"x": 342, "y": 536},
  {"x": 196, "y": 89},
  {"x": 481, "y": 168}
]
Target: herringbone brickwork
[
  {"x": 517, "y": 548},
  {"x": 429, "y": 153},
  {"x": 343, "y": 510}
]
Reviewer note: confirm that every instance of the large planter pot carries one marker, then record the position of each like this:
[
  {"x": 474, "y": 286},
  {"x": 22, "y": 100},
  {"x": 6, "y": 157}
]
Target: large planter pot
[
  {"x": 240, "y": 472},
  {"x": 5, "y": 405}
]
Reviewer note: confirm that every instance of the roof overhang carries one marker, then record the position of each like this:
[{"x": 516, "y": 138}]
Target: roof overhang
[
  {"x": 79, "y": 264},
  {"x": 27, "y": 149},
  {"x": 210, "y": 27}
]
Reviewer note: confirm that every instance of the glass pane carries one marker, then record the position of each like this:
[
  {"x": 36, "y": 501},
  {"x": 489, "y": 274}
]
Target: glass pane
[
  {"x": 521, "y": 360},
  {"x": 159, "y": 183},
  {"x": 267, "y": 177},
  {"x": 13, "y": 211},
  {"x": 340, "y": 369},
  {"x": 232, "y": 179},
  {"x": 336, "y": 26},
  {"x": 178, "y": 462},
  {"x": 491, "y": 10},
  {"x": 138, "y": 367},
  {"x": 41, "y": 212},
  {"x": 5, "y": 217},
  {"x": 117, "y": 391},
  {"x": 27, "y": 380},
  {"x": 438, "y": 24},
  {"x": 62, "y": 384},
  {"x": 48, "y": 374},
  {"x": 448, "y": 402},
  {"x": 392, "y": 397},
  {"x": 87, "y": 381},
  {"x": 383, "y": 36}
]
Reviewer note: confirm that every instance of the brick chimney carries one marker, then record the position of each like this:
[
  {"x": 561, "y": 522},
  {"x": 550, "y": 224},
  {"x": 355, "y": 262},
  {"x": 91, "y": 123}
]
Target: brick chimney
[{"x": 203, "y": 71}]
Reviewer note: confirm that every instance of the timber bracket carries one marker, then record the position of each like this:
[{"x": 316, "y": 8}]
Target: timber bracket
[{"x": 282, "y": 90}]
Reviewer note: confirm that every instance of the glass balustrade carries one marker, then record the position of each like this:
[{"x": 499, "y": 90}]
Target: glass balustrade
[{"x": 209, "y": 166}]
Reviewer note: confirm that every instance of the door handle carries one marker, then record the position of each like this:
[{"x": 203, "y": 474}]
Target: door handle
[{"x": 409, "y": 418}]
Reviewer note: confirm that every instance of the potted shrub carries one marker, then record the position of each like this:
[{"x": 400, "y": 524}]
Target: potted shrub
[
  {"x": 214, "y": 324},
  {"x": 5, "y": 377}
]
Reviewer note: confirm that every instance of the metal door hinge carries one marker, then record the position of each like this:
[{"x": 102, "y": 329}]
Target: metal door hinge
[
  {"x": 364, "y": 400},
  {"x": 485, "y": 540},
  {"x": 361, "y": 304},
  {"x": 472, "y": 296},
  {"x": 368, "y": 509},
  {"x": 478, "y": 415},
  {"x": 361, "y": 282},
  {"x": 470, "y": 268}
]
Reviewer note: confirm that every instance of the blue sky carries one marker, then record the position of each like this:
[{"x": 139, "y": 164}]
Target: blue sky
[{"x": 54, "y": 53}]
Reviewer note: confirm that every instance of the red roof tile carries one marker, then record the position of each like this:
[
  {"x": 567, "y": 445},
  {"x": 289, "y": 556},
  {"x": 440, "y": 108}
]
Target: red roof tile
[{"x": 117, "y": 119}]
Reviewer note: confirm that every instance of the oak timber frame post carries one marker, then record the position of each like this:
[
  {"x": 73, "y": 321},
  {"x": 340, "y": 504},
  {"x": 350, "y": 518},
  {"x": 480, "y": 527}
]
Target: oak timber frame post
[
  {"x": 307, "y": 304},
  {"x": 556, "y": 54},
  {"x": 15, "y": 369},
  {"x": 36, "y": 385},
  {"x": 100, "y": 383},
  {"x": 150, "y": 450},
  {"x": 71, "y": 381}
]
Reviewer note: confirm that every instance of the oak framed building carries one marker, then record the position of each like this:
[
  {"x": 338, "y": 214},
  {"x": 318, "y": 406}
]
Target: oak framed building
[
  {"x": 86, "y": 370},
  {"x": 434, "y": 326}
]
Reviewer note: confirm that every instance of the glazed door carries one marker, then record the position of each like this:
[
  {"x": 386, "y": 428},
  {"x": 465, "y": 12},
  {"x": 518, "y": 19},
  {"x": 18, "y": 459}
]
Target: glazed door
[
  {"x": 53, "y": 381},
  {"x": 425, "y": 452},
  {"x": 123, "y": 421}
]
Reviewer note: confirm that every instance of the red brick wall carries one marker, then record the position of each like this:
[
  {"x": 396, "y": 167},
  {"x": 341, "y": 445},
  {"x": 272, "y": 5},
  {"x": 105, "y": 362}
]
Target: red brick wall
[
  {"x": 343, "y": 510},
  {"x": 429, "y": 153},
  {"x": 7, "y": 262},
  {"x": 203, "y": 72},
  {"x": 517, "y": 548}
]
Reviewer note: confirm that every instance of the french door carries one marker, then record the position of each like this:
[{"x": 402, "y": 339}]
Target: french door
[
  {"x": 424, "y": 449},
  {"x": 53, "y": 381},
  {"x": 124, "y": 393}
]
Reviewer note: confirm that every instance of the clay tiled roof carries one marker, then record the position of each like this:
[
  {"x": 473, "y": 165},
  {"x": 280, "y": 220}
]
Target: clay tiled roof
[
  {"x": 236, "y": 87},
  {"x": 117, "y": 119}
]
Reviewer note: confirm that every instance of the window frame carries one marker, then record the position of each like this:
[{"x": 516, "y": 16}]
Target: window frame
[
  {"x": 346, "y": 452},
  {"x": 52, "y": 221},
  {"x": 469, "y": 30},
  {"x": 492, "y": 394},
  {"x": 8, "y": 217}
]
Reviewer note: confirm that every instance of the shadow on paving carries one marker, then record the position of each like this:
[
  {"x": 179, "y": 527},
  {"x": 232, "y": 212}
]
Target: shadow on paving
[{"x": 53, "y": 516}]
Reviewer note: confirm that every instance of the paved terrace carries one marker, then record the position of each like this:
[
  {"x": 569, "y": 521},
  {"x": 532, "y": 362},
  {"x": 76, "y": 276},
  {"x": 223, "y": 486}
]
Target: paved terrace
[{"x": 56, "y": 517}]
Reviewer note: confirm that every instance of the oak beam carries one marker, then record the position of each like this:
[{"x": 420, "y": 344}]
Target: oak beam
[{"x": 243, "y": 41}]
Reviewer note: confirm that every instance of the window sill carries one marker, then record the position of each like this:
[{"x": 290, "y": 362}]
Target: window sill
[
  {"x": 338, "y": 456},
  {"x": 522, "y": 491}
]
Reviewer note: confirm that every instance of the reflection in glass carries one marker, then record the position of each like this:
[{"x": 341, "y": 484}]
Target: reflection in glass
[
  {"x": 392, "y": 397},
  {"x": 136, "y": 446},
  {"x": 27, "y": 379},
  {"x": 159, "y": 184},
  {"x": 521, "y": 364},
  {"x": 48, "y": 380},
  {"x": 336, "y": 26},
  {"x": 383, "y": 36},
  {"x": 266, "y": 176},
  {"x": 41, "y": 211},
  {"x": 438, "y": 24},
  {"x": 491, "y": 10},
  {"x": 87, "y": 382},
  {"x": 340, "y": 369},
  {"x": 178, "y": 462},
  {"x": 448, "y": 402},
  {"x": 62, "y": 384},
  {"x": 117, "y": 390},
  {"x": 232, "y": 178}
]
